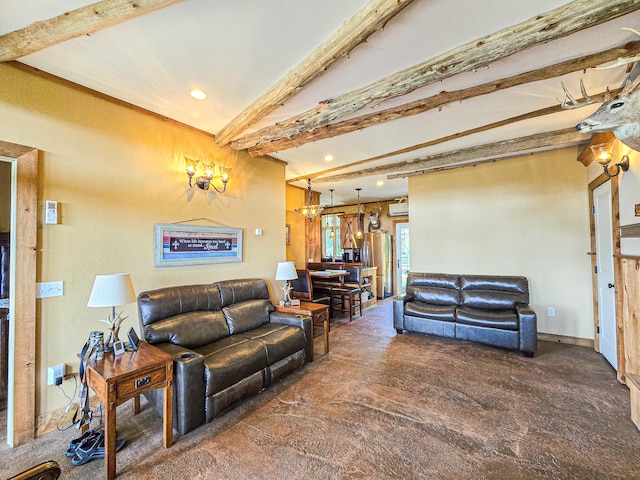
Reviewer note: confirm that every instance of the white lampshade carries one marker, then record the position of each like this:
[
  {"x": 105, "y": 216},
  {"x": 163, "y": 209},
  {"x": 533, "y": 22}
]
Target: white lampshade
[
  {"x": 286, "y": 271},
  {"x": 112, "y": 290}
]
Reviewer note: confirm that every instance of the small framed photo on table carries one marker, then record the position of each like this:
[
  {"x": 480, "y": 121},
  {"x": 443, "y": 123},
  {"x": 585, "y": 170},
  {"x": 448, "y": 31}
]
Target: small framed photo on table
[{"x": 118, "y": 348}]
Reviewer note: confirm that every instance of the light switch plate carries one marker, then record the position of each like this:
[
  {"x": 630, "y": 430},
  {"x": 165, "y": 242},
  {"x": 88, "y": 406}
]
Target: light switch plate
[{"x": 49, "y": 289}]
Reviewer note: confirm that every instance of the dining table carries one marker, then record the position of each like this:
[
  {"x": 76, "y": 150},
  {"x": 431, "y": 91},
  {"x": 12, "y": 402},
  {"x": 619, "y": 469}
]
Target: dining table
[{"x": 325, "y": 274}]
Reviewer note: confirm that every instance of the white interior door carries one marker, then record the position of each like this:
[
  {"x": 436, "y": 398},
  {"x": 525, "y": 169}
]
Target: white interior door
[
  {"x": 605, "y": 273},
  {"x": 403, "y": 263}
]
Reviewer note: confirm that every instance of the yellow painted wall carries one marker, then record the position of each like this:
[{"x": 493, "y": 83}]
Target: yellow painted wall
[
  {"x": 115, "y": 173},
  {"x": 527, "y": 216},
  {"x": 5, "y": 196}
]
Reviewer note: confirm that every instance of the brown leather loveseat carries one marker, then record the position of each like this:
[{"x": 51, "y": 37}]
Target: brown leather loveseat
[
  {"x": 481, "y": 308},
  {"x": 228, "y": 343}
]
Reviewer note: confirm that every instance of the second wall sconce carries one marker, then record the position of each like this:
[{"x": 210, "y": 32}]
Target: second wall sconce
[
  {"x": 205, "y": 181},
  {"x": 603, "y": 153}
]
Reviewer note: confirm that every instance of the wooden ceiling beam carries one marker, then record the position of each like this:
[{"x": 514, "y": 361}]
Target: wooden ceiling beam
[
  {"x": 72, "y": 24},
  {"x": 483, "y": 128},
  {"x": 466, "y": 156},
  {"x": 570, "y": 18},
  {"x": 443, "y": 98},
  {"x": 352, "y": 33}
]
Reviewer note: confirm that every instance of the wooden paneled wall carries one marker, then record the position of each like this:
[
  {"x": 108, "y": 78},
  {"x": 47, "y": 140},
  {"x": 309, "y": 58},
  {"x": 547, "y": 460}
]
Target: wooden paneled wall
[
  {"x": 630, "y": 275},
  {"x": 314, "y": 232}
]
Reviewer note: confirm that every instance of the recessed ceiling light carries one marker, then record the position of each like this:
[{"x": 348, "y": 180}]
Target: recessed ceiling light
[
  {"x": 198, "y": 94},
  {"x": 379, "y": 183},
  {"x": 328, "y": 158}
]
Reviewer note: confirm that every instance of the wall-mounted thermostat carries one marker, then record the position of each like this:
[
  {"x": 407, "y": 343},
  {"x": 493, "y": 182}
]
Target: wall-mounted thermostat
[{"x": 50, "y": 212}]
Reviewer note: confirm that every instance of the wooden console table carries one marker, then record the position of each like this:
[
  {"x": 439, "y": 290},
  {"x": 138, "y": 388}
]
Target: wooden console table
[
  {"x": 118, "y": 379},
  {"x": 317, "y": 311}
]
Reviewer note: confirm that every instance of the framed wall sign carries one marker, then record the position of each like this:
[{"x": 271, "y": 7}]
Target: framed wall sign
[{"x": 176, "y": 245}]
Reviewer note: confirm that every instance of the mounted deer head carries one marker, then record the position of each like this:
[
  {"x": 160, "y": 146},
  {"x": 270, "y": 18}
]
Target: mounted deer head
[
  {"x": 620, "y": 115},
  {"x": 374, "y": 218}
]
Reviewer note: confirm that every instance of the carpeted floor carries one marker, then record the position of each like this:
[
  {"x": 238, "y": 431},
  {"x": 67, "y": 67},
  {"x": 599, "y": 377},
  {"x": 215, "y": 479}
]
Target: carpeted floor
[{"x": 383, "y": 406}]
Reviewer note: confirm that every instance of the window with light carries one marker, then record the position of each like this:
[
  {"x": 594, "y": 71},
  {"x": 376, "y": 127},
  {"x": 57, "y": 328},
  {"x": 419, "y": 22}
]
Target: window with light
[{"x": 331, "y": 236}]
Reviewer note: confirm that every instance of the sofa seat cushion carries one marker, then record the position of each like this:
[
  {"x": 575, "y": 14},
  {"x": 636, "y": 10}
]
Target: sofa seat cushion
[
  {"x": 502, "y": 319},
  {"x": 427, "y": 310},
  {"x": 229, "y": 360},
  {"x": 279, "y": 340}
]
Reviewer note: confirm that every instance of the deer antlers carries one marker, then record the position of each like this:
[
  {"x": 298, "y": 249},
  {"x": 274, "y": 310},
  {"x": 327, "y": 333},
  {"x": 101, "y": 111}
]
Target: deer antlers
[
  {"x": 630, "y": 86},
  {"x": 570, "y": 103},
  {"x": 623, "y": 60}
]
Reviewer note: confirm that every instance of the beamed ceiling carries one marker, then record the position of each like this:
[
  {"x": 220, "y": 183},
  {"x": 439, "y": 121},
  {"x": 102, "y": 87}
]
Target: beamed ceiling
[{"x": 389, "y": 88}]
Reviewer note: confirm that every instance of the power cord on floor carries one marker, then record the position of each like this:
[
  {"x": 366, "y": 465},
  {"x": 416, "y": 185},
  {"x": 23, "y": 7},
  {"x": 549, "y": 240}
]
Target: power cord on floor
[{"x": 70, "y": 398}]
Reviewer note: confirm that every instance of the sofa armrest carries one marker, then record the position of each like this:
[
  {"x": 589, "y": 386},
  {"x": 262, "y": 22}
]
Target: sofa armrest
[
  {"x": 305, "y": 322},
  {"x": 528, "y": 329},
  {"x": 188, "y": 387},
  {"x": 398, "y": 310}
]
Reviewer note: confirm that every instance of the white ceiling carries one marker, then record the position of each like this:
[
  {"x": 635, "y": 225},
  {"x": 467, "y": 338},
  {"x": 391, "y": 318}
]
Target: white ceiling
[{"x": 236, "y": 50}]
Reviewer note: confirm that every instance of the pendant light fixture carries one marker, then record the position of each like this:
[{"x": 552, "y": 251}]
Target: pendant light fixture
[
  {"x": 332, "y": 233},
  {"x": 359, "y": 231},
  {"x": 310, "y": 210}
]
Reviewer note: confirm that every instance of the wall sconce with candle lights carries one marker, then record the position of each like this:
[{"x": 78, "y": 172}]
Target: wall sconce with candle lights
[
  {"x": 603, "y": 153},
  {"x": 207, "y": 180}
]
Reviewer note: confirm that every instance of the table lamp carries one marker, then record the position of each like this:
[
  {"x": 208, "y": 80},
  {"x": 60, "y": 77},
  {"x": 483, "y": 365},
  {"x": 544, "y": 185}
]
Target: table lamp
[
  {"x": 286, "y": 271},
  {"x": 112, "y": 291}
]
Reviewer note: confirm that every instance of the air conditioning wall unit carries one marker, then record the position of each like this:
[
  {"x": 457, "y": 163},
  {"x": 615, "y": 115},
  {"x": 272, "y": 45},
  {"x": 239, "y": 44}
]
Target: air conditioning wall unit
[{"x": 398, "y": 209}]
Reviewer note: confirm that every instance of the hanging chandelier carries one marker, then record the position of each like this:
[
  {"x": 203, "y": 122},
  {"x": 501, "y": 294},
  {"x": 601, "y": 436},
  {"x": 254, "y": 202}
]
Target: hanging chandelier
[
  {"x": 359, "y": 231},
  {"x": 310, "y": 210}
]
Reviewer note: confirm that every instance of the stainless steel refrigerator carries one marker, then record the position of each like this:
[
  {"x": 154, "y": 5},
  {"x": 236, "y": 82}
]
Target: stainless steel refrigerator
[{"x": 379, "y": 253}]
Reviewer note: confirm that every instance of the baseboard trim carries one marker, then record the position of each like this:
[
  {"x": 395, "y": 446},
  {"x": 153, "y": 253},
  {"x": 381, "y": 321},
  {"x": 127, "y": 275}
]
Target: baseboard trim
[
  {"x": 50, "y": 421},
  {"x": 550, "y": 337}
]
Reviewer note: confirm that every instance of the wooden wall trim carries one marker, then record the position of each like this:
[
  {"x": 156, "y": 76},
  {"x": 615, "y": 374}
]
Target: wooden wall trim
[
  {"x": 619, "y": 280},
  {"x": 629, "y": 231},
  {"x": 550, "y": 337},
  {"x": 24, "y": 314}
]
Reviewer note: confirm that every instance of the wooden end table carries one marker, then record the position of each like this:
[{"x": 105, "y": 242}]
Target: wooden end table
[
  {"x": 317, "y": 311},
  {"x": 116, "y": 380}
]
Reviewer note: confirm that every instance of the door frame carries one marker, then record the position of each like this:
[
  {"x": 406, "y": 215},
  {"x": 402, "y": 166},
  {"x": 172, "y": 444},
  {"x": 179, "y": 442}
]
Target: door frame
[
  {"x": 22, "y": 337},
  {"x": 396, "y": 271},
  {"x": 615, "y": 224}
]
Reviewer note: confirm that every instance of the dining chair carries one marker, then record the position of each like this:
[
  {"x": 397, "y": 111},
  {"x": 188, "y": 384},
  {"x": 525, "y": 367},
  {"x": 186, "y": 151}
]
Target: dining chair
[
  {"x": 302, "y": 289},
  {"x": 348, "y": 296}
]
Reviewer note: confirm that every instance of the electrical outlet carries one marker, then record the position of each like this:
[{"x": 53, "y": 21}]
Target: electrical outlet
[
  {"x": 55, "y": 374},
  {"x": 551, "y": 312}
]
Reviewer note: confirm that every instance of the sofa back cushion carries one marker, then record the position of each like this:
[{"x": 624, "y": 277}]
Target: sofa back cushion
[
  {"x": 188, "y": 315},
  {"x": 247, "y": 315},
  {"x": 434, "y": 288},
  {"x": 237, "y": 291},
  {"x": 190, "y": 330},
  {"x": 493, "y": 292}
]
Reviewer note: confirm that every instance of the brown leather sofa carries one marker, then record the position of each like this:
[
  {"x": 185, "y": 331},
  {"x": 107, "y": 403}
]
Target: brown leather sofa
[
  {"x": 482, "y": 308},
  {"x": 228, "y": 343}
]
